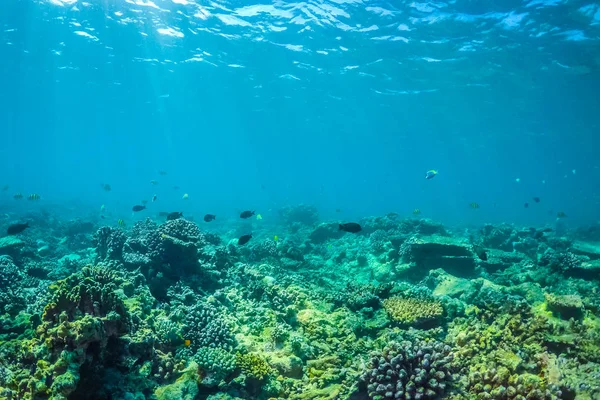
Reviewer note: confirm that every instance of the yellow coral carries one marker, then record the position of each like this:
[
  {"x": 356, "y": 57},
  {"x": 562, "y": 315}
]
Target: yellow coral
[
  {"x": 253, "y": 365},
  {"x": 412, "y": 311}
]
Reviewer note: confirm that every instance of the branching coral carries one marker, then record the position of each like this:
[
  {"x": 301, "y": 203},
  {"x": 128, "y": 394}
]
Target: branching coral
[{"x": 409, "y": 370}]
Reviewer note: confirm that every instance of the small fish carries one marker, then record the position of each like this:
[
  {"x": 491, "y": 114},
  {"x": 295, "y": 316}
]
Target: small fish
[
  {"x": 526, "y": 205},
  {"x": 120, "y": 222},
  {"x": 18, "y": 196},
  {"x": 209, "y": 217},
  {"x": 187, "y": 342},
  {"x": 153, "y": 182},
  {"x": 536, "y": 199},
  {"x": 480, "y": 251},
  {"x": 518, "y": 180},
  {"x": 247, "y": 214},
  {"x": 258, "y": 216},
  {"x": 276, "y": 238},
  {"x": 102, "y": 208},
  {"x": 5, "y": 188},
  {"x": 176, "y": 187},
  {"x": 102, "y": 216},
  {"x": 474, "y": 205},
  {"x": 351, "y": 227},
  {"x": 431, "y": 174},
  {"x": 574, "y": 171},
  {"x": 163, "y": 173},
  {"x": 416, "y": 211},
  {"x": 138, "y": 208},
  {"x": 154, "y": 198},
  {"x": 561, "y": 214},
  {"x": 106, "y": 187},
  {"x": 244, "y": 239},
  {"x": 174, "y": 215},
  {"x": 337, "y": 210},
  {"x": 546, "y": 230},
  {"x": 17, "y": 228},
  {"x": 33, "y": 197},
  {"x": 144, "y": 202},
  {"x": 186, "y": 196}
]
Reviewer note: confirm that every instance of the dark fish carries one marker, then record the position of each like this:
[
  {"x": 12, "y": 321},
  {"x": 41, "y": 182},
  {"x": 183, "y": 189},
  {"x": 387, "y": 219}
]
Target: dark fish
[
  {"x": 480, "y": 251},
  {"x": 561, "y": 214},
  {"x": 174, "y": 215},
  {"x": 209, "y": 217},
  {"x": 536, "y": 199},
  {"x": 546, "y": 230},
  {"x": 5, "y": 188},
  {"x": 18, "y": 196},
  {"x": 144, "y": 202},
  {"x": 526, "y": 205},
  {"x": 247, "y": 214},
  {"x": 154, "y": 198},
  {"x": 351, "y": 227},
  {"x": 17, "y": 228},
  {"x": 163, "y": 173},
  {"x": 103, "y": 217},
  {"x": 244, "y": 239},
  {"x": 538, "y": 235},
  {"x": 106, "y": 187},
  {"x": 176, "y": 187},
  {"x": 338, "y": 210},
  {"x": 138, "y": 208}
]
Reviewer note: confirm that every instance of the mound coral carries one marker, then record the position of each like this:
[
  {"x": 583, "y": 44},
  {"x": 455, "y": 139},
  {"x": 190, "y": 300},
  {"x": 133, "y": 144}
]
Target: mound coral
[{"x": 413, "y": 311}]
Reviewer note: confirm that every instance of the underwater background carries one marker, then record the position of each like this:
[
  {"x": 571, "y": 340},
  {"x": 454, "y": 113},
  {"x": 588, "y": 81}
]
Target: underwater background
[{"x": 312, "y": 200}]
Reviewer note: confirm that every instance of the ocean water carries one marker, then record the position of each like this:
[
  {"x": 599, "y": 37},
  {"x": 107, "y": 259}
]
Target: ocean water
[
  {"x": 343, "y": 105},
  {"x": 312, "y": 114}
]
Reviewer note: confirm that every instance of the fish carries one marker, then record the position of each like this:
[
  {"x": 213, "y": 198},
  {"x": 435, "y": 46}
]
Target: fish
[
  {"x": 431, "y": 174},
  {"x": 138, "y": 208},
  {"x": 561, "y": 214},
  {"x": 186, "y": 196},
  {"x": 526, "y": 205},
  {"x": 209, "y": 217},
  {"x": 162, "y": 172},
  {"x": 106, "y": 187},
  {"x": 18, "y": 196},
  {"x": 244, "y": 239},
  {"x": 547, "y": 230},
  {"x": 33, "y": 197},
  {"x": 474, "y": 205},
  {"x": 246, "y": 214},
  {"x": 120, "y": 222},
  {"x": 276, "y": 238},
  {"x": 154, "y": 198},
  {"x": 102, "y": 208},
  {"x": 5, "y": 188},
  {"x": 153, "y": 182},
  {"x": 144, "y": 202},
  {"x": 102, "y": 216},
  {"x": 536, "y": 199},
  {"x": 416, "y": 211},
  {"x": 15, "y": 229},
  {"x": 174, "y": 215},
  {"x": 258, "y": 216},
  {"x": 337, "y": 210},
  {"x": 176, "y": 187},
  {"x": 187, "y": 342},
  {"x": 480, "y": 251},
  {"x": 351, "y": 227}
]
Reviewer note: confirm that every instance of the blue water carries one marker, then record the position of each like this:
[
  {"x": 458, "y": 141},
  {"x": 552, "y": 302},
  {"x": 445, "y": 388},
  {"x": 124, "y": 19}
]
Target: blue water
[{"x": 341, "y": 104}]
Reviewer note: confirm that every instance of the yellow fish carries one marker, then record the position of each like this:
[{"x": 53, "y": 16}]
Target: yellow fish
[
  {"x": 416, "y": 211},
  {"x": 121, "y": 222},
  {"x": 187, "y": 342},
  {"x": 34, "y": 197},
  {"x": 258, "y": 216},
  {"x": 185, "y": 196},
  {"x": 474, "y": 205},
  {"x": 275, "y": 238}
]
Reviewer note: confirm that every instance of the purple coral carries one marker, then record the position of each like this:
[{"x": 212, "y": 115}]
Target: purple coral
[{"x": 408, "y": 370}]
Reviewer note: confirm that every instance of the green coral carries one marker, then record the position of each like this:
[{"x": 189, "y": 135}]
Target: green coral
[
  {"x": 565, "y": 306},
  {"x": 413, "y": 311},
  {"x": 215, "y": 363}
]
